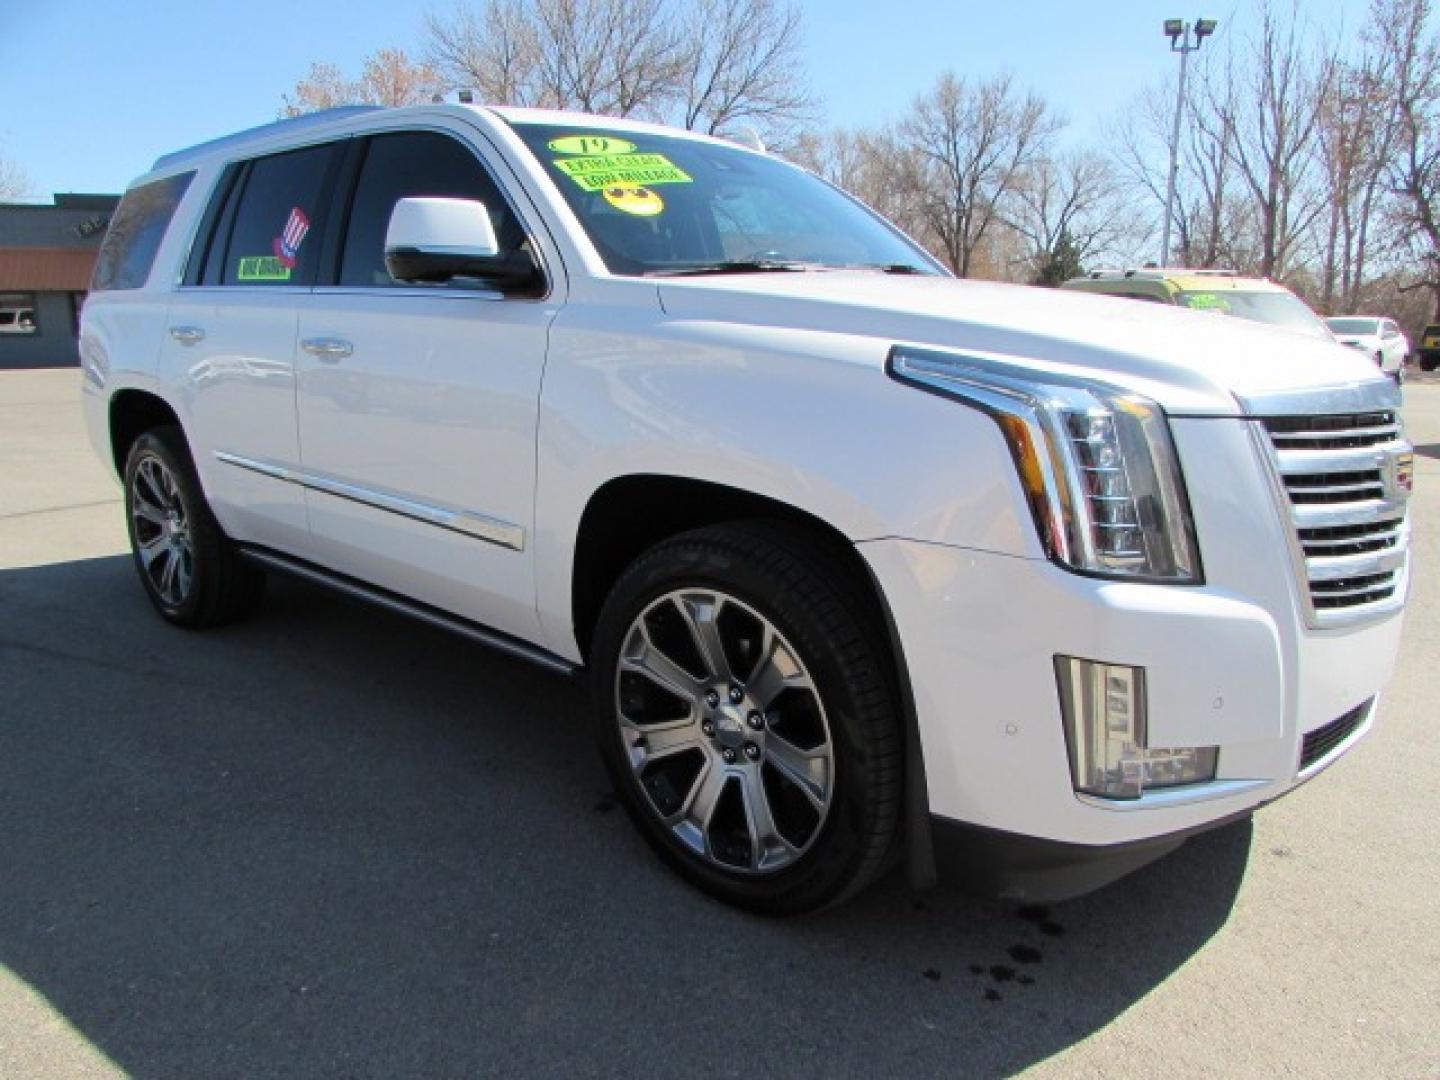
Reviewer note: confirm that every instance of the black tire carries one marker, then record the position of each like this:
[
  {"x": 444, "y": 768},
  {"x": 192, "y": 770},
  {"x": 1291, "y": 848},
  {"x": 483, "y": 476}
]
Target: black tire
[
  {"x": 814, "y": 605},
  {"x": 220, "y": 586},
  {"x": 1429, "y": 363}
]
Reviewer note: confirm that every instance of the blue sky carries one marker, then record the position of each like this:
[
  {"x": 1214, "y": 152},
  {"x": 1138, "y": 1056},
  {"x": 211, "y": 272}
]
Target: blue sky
[{"x": 92, "y": 91}]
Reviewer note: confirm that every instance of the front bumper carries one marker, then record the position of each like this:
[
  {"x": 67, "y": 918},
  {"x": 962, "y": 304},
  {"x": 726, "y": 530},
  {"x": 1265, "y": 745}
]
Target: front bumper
[{"x": 979, "y": 633}]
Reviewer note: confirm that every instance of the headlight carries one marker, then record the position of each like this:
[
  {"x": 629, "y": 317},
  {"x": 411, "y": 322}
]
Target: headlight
[{"x": 1096, "y": 462}]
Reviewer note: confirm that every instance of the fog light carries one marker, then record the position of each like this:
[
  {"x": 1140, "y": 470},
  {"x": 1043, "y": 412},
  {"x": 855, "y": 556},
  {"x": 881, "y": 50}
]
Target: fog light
[{"x": 1104, "y": 712}]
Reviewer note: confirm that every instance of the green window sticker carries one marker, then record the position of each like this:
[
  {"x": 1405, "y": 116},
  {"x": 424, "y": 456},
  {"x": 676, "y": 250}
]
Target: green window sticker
[
  {"x": 262, "y": 268},
  {"x": 590, "y": 144},
  {"x": 1207, "y": 301},
  {"x": 609, "y": 170}
]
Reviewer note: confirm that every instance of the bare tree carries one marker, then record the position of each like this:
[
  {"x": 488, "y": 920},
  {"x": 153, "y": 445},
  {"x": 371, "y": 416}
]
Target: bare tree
[
  {"x": 387, "y": 77},
  {"x": 495, "y": 52},
  {"x": 14, "y": 184},
  {"x": 743, "y": 65},
  {"x": 1357, "y": 133},
  {"x": 1271, "y": 110},
  {"x": 713, "y": 66},
  {"x": 971, "y": 143},
  {"x": 1069, "y": 209},
  {"x": 1409, "y": 53}
]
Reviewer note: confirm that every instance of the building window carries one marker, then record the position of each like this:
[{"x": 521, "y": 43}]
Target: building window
[{"x": 17, "y": 313}]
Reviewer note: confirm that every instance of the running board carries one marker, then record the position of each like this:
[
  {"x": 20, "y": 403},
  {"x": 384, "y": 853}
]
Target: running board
[{"x": 383, "y": 598}]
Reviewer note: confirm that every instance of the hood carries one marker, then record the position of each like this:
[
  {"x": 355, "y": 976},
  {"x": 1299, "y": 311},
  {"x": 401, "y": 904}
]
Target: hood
[{"x": 1192, "y": 363}]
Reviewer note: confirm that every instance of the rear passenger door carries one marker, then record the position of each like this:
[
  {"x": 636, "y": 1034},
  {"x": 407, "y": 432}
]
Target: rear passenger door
[
  {"x": 229, "y": 350},
  {"x": 418, "y": 405}
]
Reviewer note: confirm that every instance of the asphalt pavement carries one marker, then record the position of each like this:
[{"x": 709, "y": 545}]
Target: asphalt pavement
[{"x": 331, "y": 842}]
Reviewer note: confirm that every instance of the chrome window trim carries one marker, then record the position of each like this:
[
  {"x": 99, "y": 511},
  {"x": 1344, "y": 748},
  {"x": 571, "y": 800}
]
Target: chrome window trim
[{"x": 467, "y": 522}]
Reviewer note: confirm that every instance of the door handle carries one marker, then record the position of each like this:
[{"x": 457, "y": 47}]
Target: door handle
[
  {"x": 187, "y": 335},
  {"x": 328, "y": 349}
]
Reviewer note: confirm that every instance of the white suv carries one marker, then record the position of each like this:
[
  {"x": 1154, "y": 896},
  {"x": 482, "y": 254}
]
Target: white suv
[{"x": 863, "y": 561}]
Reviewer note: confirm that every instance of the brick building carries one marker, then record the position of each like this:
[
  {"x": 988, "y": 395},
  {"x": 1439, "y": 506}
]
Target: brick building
[{"x": 46, "y": 254}]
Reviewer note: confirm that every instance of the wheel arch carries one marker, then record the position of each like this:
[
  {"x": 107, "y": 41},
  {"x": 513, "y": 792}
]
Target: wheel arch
[
  {"x": 630, "y": 514},
  {"x": 133, "y": 412}
]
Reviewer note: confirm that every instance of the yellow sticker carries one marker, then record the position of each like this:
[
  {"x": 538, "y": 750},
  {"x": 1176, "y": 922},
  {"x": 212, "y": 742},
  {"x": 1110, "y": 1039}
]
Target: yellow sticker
[
  {"x": 261, "y": 268},
  {"x": 633, "y": 199},
  {"x": 611, "y": 170},
  {"x": 590, "y": 144}
]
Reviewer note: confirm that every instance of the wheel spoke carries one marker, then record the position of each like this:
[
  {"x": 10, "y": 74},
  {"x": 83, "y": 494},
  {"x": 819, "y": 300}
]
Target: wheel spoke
[
  {"x": 704, "y": 796},
  {"x": 765, "y": 839},
  {"x": 142, "y": 507},
  {"x": 153, "y": 549},
  {"x": 777, "y": 671},
  {"x": 809, "y": 770},
  {"x": 185, "y": 560},
  {"x": 661, "y": 742},
  {"x": 642, "y": 656},
  {"x": 147, "y": 474},
  {"x": 168, "y": 574},
  {"x": 700, "y": 611}
]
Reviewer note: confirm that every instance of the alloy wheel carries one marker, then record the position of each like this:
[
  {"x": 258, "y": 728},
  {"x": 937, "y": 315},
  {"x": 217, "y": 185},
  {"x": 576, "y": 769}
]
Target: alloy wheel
[
  {"x": 161, "y": 530},
  {"x": 724, "y": 729}
]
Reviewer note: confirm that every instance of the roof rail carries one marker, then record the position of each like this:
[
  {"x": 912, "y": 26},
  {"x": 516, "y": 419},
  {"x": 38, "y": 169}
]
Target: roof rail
[{"x": 296, "y": 123}]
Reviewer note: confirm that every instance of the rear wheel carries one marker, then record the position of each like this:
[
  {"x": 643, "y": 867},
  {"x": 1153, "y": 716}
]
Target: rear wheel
[
  {"x": 744, "y": 707},
  {"x": 189, "y": 568}
]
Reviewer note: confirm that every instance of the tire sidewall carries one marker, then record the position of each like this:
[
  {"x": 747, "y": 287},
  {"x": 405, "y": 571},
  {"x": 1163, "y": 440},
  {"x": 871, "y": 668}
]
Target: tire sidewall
[{"x": 835, "y": 853}]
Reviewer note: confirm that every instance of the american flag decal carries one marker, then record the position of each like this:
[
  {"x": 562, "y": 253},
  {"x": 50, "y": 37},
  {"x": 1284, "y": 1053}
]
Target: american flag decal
[{"x": 287, "y": 244}]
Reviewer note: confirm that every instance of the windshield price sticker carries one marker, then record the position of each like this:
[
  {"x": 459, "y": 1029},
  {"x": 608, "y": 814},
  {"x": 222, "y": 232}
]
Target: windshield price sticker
[
  {"x": 1207, "y": 301},
  {"x": 610, "y": 170},
  {"x": 590, "y": 144}
]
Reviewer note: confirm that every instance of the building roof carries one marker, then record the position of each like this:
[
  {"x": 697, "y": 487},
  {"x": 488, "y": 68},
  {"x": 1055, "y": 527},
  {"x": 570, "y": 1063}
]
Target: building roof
[{"x": 45, "y": 269}]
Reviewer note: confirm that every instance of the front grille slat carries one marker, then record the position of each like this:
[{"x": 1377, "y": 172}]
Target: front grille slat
[
  {"x": 1324, "y": 741},
  {"x": 1351, "y": 529}
]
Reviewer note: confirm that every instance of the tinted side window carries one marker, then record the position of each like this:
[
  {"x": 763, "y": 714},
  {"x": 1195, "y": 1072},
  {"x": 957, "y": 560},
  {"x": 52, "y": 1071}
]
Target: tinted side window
[
  {"x": 139, "y": 224},
  {"x": 406, "y": 164},
  {"x": 275, "y": 239}
]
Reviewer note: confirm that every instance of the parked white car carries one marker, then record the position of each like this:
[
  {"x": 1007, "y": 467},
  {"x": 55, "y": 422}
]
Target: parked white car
[
  {"x": 860, "y": 559},
  {"x": 1379, "y": 339}
]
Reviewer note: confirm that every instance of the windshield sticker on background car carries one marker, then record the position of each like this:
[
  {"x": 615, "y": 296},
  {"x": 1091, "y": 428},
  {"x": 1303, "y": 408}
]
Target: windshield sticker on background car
[
  {"x": 590, "y": 144},
  {"x": 1207, "y": 301},
  {"x": 287, "y": 244},
  {"x": 611, "y": 170},
  {"x": 632, "y": 199},
  {"x": 262, "y": 268}
]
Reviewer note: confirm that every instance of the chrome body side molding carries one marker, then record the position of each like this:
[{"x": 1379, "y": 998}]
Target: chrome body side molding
[{"x": 469, "y": 522}]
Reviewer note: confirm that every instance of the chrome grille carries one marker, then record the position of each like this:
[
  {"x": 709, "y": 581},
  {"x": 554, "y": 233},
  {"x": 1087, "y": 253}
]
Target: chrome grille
[{"x": 1340, "y": 477}]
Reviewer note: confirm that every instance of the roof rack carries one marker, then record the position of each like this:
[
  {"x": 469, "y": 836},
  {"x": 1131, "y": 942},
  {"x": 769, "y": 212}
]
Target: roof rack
[
  {"x": 1156, "y": 273},
  {"x": 296, "y": 123}
]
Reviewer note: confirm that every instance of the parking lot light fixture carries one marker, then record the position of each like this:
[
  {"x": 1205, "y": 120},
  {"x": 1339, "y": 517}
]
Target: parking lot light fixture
[{"x": 1183, "y": 39}]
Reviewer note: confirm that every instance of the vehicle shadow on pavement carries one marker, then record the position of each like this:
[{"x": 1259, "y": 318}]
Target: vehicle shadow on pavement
[{"x": 333, "y": 842}]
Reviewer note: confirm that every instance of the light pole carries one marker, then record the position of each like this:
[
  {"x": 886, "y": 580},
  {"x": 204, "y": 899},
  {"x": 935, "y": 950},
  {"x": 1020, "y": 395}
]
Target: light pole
[{"x": 1184, "y": 39}]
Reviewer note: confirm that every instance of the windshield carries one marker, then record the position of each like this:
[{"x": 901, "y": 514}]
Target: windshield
[
  {"x": 1275, "y": 308},
  {"x": 1351, "y": 326},
  {"x": 656, "y": 204}
]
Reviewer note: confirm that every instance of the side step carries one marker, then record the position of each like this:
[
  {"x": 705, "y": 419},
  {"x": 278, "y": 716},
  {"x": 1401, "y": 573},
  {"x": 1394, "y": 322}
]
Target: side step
[{"x": 370, "y": 594}]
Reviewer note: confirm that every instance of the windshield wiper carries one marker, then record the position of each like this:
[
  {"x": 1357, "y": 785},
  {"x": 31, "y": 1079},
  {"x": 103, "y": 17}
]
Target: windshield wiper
[
  {"x": 887, "y": 268},
  {"x": 739, "y": 266}
]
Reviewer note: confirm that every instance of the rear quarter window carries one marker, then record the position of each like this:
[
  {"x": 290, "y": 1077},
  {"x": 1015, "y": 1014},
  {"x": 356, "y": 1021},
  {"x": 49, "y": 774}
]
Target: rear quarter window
[{"x": 128, "y": 251}]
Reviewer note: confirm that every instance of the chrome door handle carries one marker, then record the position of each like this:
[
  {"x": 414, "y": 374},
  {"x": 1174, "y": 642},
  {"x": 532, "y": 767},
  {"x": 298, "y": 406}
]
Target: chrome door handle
[
  {"x": 327, "y": 349},
  {"x": 187, "y": 335}
]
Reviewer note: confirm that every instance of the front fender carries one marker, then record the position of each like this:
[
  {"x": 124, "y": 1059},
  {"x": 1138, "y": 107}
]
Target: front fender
[{"x": 806, "y": 418}]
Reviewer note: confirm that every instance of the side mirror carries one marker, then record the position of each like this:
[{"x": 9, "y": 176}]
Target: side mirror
[{"x": 431, "y": 240}]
